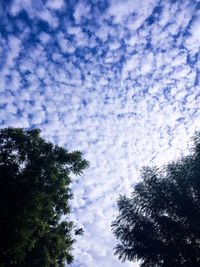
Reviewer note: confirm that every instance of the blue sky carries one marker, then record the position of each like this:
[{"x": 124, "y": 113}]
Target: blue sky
[{"x": 115, "y": 79}]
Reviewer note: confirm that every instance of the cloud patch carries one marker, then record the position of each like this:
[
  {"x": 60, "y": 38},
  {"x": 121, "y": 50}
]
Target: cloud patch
[{"x": 114, "y": 79}]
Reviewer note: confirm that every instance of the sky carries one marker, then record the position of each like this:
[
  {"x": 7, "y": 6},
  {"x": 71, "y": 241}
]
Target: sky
[{"x": 117, "y": 80}]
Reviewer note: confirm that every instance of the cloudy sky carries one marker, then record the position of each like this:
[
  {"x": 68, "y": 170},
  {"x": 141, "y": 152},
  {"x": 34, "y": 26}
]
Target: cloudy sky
[{"x": 115, "y": 79}]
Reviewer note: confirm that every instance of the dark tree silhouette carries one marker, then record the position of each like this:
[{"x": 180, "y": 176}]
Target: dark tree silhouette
[
  {"x": 34, "y": 200},
  {"x": 160, "y": 223}
]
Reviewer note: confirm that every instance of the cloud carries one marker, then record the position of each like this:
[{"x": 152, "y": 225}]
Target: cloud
[
  {"x": 115, "y": 79},
  {"x": 191, "y": 42},
  {"x": 82, "y": 10},
  {"x": 55, "y": 4},
  {"x": 130, "y": 12}
]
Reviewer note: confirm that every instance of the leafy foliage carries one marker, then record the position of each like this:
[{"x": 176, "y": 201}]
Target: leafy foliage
[
  {"x": 160, "y": 223},
  {"x": 34, "y": 197}
]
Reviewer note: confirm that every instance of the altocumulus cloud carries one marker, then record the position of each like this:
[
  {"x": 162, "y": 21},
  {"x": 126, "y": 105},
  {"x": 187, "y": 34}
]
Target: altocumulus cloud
[{"x": 118, "y": 80}]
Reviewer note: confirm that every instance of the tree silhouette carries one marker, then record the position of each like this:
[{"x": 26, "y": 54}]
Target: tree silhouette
[
  {"x": 34, "y": 200},
  {"x": 160, "y": 223}
]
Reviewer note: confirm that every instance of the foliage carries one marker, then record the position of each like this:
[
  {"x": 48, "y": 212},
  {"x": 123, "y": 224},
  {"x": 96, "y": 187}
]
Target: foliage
[
  {"x": 34, "y": 199},
  {"x": 160, "y": 223}
]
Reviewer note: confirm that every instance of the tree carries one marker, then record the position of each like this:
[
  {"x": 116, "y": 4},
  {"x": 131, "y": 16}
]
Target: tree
[
  {"x": 34, "y": 200},
  {"x": 160, "y": 223}
]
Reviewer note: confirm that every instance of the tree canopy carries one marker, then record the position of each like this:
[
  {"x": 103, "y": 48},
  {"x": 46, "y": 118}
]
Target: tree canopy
[
  {"x": 159, "y": 225},
  {"x": 34, "y": 200}
]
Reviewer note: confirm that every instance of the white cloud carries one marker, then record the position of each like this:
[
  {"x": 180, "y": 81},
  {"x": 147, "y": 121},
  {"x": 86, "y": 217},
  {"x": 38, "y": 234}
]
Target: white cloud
[
  {"x": 192, "y": 42},
  {"x": 82, "y": 10},
  {"x": 132, "y": 13},
  {"x": 17, "y": 5},
  {"x": 55, "y": 4},
  {"x": 120, "y": 89}
]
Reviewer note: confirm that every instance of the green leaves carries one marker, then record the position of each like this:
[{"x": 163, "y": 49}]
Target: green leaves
[
  {"x": 159, "y": 224},
  {"x": 34, "y": 195}
]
